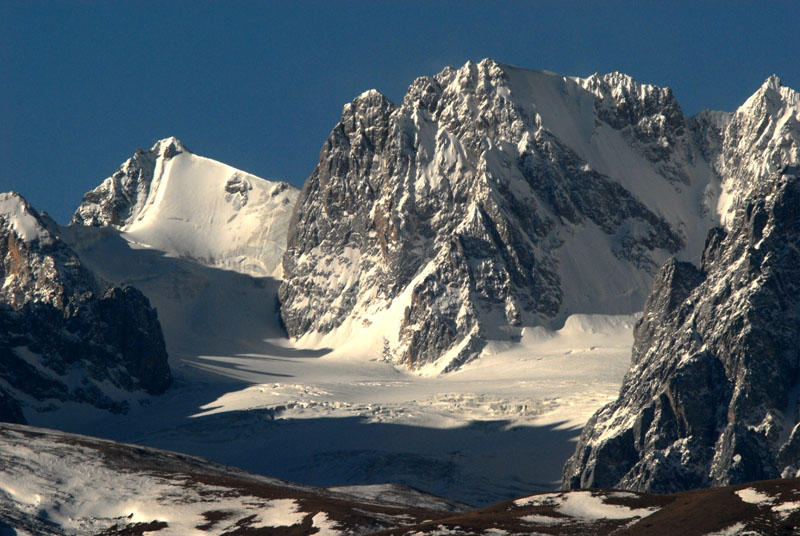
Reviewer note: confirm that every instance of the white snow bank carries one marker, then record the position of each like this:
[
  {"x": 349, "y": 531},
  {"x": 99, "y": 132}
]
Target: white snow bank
[
  {"x": 753, "y": 496},
  {"x": 216, "y": 214},
  {"x": 324, "y": 526},
  {"x": 786, "y": 509},
  {"x": 733, "y": 530},
  {"x": 585, "y": 506}
]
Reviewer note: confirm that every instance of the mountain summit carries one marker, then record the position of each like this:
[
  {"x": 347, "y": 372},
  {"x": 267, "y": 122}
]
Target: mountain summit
[
  {"x": 492, "y": 198},
  {"x": 188, "y": 206}
]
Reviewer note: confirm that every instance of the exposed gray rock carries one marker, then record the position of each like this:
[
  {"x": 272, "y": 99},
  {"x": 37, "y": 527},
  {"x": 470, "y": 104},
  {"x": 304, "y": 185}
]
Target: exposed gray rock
[
  {"x": 63, "y": 335},
  {"x": 712, "y": 394},
  {"x": 471, "y": 208},
  {"x": 711, "y": 397},
  {"x": 121, "y": 196},
  {"x": 649, "y": 117}
]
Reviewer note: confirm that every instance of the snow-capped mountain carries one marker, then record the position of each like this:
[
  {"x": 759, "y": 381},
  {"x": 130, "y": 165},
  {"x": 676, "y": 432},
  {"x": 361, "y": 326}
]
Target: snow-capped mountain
[
  {"x": 65, "y": 336},
  {"x": 188, "y": 206},
  {"x": 491, "y": 199},
  {"x": 711, "y": 397},
  {"x": 496, "y": 212}
]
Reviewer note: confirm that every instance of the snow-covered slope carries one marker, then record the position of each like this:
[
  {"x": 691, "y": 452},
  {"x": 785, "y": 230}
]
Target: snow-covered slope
[
  {"x": 491, "y": 199},
  {"x": 244, "y": 395},
  {"x": 188, "y": 206}
]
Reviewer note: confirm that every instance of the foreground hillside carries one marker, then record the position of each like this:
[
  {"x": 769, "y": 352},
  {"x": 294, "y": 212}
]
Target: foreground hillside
[{"x": 58, "y": 484}]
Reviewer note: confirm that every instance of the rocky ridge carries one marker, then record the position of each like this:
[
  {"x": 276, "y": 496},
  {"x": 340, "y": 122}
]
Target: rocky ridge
[
  {"x": 711, "y": 397},
  {"x": 489, "y": 200},
  {"x": 65, "y": 336}
]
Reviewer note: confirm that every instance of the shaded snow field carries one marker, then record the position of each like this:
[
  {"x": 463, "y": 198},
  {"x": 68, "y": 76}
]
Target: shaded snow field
[
  {"x": 499, "y": 428},
  {"x": 558, "y": 377}
]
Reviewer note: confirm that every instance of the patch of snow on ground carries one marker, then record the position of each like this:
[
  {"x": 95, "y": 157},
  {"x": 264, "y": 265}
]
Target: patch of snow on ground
[
  {"x": 752, "y": 496},
  {"x": 539, "y": 500},
  {"x": 585, "y": 505},
  {"x": 324, "y": 526},
  {"x": 541, "y": 520},
  {"x": 733, "y": 530},
  {"x": 441, "y": 530},
  {"x": 622, "y": 495},
  {"x": 786, "y": 509},
  {"x": 280, "y": 513}
]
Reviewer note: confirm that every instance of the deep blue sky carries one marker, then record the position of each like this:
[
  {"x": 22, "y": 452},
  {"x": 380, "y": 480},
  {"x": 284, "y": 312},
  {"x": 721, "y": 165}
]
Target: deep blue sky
[{"x": 258, "y": 85}]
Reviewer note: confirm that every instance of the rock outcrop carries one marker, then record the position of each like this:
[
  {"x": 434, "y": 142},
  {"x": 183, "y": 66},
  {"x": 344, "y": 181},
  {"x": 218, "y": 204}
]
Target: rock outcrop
[
  {"x": 64, "y": 336},
  {"x": 492, "y": 198},
  {"x": 712, "y": 394}
]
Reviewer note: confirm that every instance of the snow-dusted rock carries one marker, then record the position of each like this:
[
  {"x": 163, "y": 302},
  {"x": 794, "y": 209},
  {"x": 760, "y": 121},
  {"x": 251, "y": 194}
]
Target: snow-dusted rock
[
  {"x": 492, "y": 198},
  {"x": 761, "y": 138},
  {"x": 63, "y": 335},
  {"x": 711, "y": 396},
  {"x": 188, "y": 206}
]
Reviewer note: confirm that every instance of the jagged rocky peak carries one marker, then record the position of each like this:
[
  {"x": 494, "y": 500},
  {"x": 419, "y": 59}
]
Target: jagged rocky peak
[
  {"x": 21, "y": 218},
  {"x": 651, "y": 111},
  {"x": 772, "y": 98},
  {"x": 121, "y": 196},
  {"x": 625, "y": 101},
  {"x": 711, "y": 396},
  {"x": 761, "y": 138},
  {"x": 37, "y": 266},
  {"x": 64, "y": 335},
  {"x": 465, "y": 213}
]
